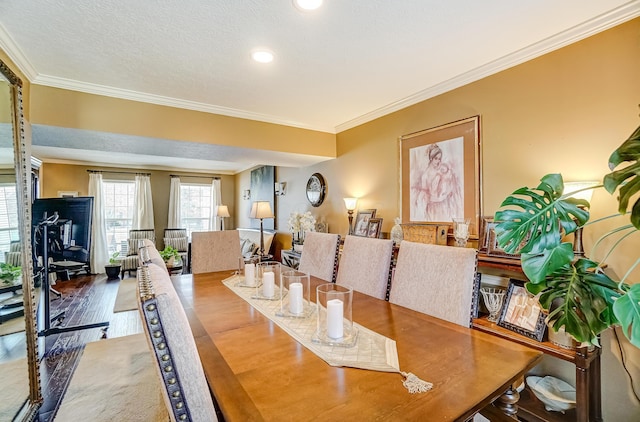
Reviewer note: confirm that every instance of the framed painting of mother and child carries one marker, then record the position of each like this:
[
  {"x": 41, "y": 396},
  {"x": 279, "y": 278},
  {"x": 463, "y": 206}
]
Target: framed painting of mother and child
[{"x": 440, "y": 174}]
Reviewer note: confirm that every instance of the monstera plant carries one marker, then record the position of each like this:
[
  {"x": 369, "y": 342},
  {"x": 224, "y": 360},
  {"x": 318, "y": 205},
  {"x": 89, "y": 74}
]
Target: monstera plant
[{"x": 534, "y": 223}]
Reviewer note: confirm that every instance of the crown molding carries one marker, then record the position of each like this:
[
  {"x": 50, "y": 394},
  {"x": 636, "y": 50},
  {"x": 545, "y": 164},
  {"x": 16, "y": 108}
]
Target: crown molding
[
  {"x": 600, "y": 23},
  {"x": 15, "y": 54}
]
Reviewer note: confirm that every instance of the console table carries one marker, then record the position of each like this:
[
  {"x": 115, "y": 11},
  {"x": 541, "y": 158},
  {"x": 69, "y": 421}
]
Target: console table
[{"x": 587, "y": 361}]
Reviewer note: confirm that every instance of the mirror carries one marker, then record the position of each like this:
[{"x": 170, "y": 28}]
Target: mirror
[
  {"x": 316, "y": 188},
  {"x": 18, "y": 336}
]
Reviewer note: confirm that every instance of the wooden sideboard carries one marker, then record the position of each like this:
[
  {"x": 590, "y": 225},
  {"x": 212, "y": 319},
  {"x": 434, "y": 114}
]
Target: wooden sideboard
[{"x": 586, "y": 361}]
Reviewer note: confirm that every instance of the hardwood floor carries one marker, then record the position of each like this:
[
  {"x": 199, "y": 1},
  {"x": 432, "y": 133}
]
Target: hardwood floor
[{"x": 86, "y": 299}]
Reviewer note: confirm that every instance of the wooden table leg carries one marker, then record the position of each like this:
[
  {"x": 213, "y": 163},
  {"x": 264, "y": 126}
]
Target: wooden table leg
[{"x": 507, "y": 402}]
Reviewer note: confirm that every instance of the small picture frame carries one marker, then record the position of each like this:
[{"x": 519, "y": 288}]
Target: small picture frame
[
  {"x": 374, "y": 227},
  {"x": 362, "y": 222},
  {"x": 488, "y": 241},
  {"x": 521, "y": 312}
]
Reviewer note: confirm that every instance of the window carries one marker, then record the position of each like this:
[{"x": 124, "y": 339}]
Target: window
[
  {"x": 9, "y": 231},
  {"x": 195, "y": 207},
  {"x": 118, "y": 207}
]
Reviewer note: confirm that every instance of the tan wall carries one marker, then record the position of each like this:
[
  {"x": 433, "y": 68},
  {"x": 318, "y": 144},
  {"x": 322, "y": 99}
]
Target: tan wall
[
  {"x": 563, "y": 112},
  {"x": 72, "y": 109},
  {"x": 75, "y": 178}
]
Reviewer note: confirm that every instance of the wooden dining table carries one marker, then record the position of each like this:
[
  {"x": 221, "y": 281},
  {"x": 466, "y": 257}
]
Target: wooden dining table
[{"x": 257, "y": 371}]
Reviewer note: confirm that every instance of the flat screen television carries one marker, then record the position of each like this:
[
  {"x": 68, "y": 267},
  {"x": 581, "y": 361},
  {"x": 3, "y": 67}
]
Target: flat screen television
[{"x": 70, "y": 234}]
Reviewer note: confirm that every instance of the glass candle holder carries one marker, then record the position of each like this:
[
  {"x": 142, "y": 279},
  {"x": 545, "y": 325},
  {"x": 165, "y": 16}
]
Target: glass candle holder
[
  {"x": 247, "y": 272},
  {"x": 267, "y": 280},
  {"x": 295, "y": 299},
  {"x": 461, "y": 231},
  {"x": 334, "y": 324}
]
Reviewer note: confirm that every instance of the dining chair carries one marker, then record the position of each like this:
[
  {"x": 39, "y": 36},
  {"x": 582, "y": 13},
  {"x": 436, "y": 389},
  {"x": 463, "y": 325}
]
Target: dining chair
[
  {"x": 435, "y": 280},
  {"x": 178, "y": 366},
  {"x": 214, "y": 251},
  {"x": 365, "y": 265},
  {"x": 320, "y": 255}
]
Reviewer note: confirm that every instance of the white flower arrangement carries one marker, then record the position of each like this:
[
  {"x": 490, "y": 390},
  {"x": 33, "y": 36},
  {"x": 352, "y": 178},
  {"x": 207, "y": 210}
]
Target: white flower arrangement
[{"x": 301, "y": 223}]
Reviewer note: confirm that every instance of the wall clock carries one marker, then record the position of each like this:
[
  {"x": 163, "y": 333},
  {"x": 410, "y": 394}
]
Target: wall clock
[{"x": 316, "y": 188}]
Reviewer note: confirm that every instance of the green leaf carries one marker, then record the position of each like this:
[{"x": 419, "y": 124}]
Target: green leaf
[
  {"x": 537, "y": 267},
  {"x": 627, "y": 179},
  {"x": 587, "y": 298},
  {"x": 536, "y": 219},
  {"x": 627, "y": 311}
]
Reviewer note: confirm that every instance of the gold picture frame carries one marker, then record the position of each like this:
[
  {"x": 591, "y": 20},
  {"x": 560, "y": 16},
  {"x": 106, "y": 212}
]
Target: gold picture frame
[{"x": 440, "y": 174}]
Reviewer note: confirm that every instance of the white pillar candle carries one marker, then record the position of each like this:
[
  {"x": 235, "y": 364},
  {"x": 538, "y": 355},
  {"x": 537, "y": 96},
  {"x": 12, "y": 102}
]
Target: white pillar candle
[
  {"x": 268, "y": 284},
  {"x": 295, "y": 298},
  {"x": 334, "y": 318},
  {"x": 462, "y": 230},
  {"x": 250, "y": 274}
]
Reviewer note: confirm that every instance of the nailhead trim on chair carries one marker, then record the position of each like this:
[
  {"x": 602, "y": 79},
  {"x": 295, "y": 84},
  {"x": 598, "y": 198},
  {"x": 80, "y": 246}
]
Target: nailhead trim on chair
[
  {"x": 335, "y": 261},
  {"x": 153, "y": 321}
]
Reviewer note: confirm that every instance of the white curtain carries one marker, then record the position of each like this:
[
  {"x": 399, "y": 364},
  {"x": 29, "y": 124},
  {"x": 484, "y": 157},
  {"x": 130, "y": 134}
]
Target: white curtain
[
  {"x": 99, "y": 251},
  {"x": 143, "y": 204},
  {"x": 173, "y": 222},
  {"x": 214, "y": 220}
]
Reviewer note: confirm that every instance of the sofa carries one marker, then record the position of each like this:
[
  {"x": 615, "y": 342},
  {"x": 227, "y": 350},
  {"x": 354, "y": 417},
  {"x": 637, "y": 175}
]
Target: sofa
[{"x": 250, "y": 241}]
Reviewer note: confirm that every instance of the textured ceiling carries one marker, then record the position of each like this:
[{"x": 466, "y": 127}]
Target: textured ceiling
[{"x": 347, "y": 63}]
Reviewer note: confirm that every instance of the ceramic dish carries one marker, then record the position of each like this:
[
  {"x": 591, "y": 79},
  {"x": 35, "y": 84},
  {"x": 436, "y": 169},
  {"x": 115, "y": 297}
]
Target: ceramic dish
[{"x": 557, "y": 395}]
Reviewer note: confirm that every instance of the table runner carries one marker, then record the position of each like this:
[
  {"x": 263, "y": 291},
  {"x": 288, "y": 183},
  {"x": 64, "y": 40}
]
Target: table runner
[{"x": 372, "y": 351}]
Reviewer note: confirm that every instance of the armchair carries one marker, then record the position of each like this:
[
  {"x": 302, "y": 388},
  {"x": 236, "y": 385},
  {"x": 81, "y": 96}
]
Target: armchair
[
  {"x": 130, "y": 262},
  {"x": 178, "y": 239}
]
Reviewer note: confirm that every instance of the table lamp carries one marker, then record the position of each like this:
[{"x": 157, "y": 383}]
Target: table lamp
[
  {"x": 350, "y": 204},
  {"x": 261, "y": 210},
  {"x": 579, "y": 190},
  {"x": 223, "y": 212}
]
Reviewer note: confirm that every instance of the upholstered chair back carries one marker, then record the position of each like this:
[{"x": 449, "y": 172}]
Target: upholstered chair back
[
  {"x": 214, "y": 251},
  {"x": 435, "y": 280},
  {"x": 135, "y": 236},
  {"x": 365, "y": 265},
  {"x": 184, "y": 386},
  {"x": 320, "y": 255},
  {"x": 148, "y": 254}
]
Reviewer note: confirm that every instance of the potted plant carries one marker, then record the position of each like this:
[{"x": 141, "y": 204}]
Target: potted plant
[
  {"x": 170, "y": 255},
  {"x": 113, "y": 268},
  {"x": 9, "y": 274},
  {"x": 533, "y": 223}
]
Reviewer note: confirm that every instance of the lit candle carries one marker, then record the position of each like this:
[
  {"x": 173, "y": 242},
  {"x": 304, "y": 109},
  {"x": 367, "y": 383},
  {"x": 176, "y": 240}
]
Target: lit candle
[
  {"x": 334, "y": 318},
  {"x": 249, "y": 274},
  {"x": 268, "y": 284},
  {"x": 295, "y": 298}
]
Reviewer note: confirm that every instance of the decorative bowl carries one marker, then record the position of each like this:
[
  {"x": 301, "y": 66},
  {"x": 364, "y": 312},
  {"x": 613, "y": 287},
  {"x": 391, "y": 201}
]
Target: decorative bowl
[{"x": 557, "y": 395}]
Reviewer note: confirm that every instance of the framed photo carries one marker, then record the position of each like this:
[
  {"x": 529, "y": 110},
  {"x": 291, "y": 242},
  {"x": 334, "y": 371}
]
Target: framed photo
[
  {"x": 521, "y": 312},
  {"x": 488, "y": 242},
  {"x": 440, "y": 174},
  {"x": 362, "y": 222},
  {"x": 374, "y": 227}
]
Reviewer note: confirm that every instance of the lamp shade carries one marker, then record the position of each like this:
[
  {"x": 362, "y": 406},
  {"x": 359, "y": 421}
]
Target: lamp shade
[
  {"x": 578, "y": 186},
  {"x": 261, "y": 209},
  {"x": 223, "y": 211},
  {"x": 350, "y": 203}
]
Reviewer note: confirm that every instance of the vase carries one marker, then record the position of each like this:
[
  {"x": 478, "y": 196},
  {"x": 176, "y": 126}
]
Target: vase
[{"x": 396, "y": 232}]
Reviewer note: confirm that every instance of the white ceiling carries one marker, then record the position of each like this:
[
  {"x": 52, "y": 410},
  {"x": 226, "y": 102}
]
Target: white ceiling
[{"x": 345, "y": 64}]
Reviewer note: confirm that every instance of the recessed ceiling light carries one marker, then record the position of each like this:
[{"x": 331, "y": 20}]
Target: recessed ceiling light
[
  {"x": 262, "y": 56},
  {"x": 307, "y": 4}
]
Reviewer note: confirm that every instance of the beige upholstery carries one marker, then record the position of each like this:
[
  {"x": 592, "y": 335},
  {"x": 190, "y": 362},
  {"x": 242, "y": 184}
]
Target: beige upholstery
[
  {"x": 131, "y": 261},
  {"x": 214, "y": 251},
  {"x": 250, "y": 241},
  {"x": 149, "y": 254},
  {"x": 178, "y": 239},
  {"x": 184, "y": 387},
  {"x": 435, "y": 280},
  {"x": 365, "y": 265},
  {"x": 320, "y": 255}
]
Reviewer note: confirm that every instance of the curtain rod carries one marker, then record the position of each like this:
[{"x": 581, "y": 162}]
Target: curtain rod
[
  {"x": 200, "y": 177},
  {"x": 118, "y": 172}
]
